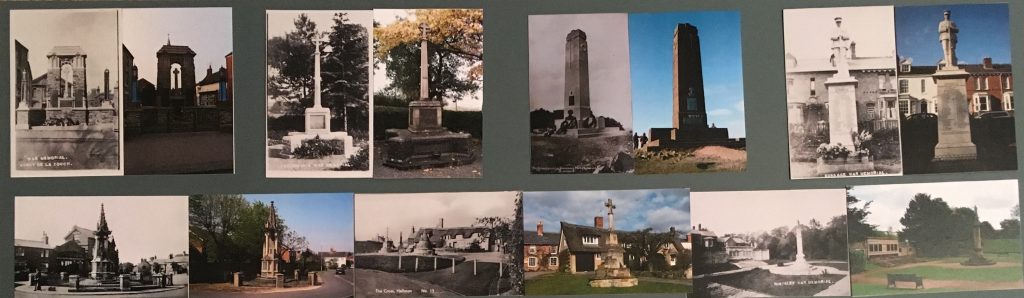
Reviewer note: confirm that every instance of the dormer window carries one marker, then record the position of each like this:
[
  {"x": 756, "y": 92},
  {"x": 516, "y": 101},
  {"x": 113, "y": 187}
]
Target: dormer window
[
  {"x": 590, "y": 240},
  {"x": 905, "y": 68}
]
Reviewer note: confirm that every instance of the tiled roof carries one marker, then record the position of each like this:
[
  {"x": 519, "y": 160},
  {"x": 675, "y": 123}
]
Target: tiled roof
[
  {"x": 531, "y": 238},
  {"x": 171, "y": 49},
  {"x": 574, "y": 237},
  {"x": 213, "y": 78},
  {"x": 31, "y": 243}
]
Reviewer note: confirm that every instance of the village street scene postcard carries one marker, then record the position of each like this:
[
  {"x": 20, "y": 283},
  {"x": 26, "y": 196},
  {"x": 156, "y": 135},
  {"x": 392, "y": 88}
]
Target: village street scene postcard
[
  {"x": 101, "y": 246},
  {"x": 687, "y": 75},
  {"x": 428, "y": 93},
  {"x": 934, "y": 237},
  {"x": 580, "y": 107},
  {"x": 273, "y": 245},
  {"x": 319, "y": 122},
  {"x": 607, "y": 242},
  {"x": 777, "y": 243},
  {"x": 439, "y": 244}
]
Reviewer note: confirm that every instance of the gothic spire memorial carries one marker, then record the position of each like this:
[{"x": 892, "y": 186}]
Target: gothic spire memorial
[{"x": 270, "y": 265}]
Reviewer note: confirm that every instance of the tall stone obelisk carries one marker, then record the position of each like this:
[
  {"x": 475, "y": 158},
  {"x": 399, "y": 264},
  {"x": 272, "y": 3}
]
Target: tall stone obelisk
[
  {"x": 801, "y": 259},
  {"x": 842, "y": 91},
  {"x": 424, "y": 114},
  {"x": 689, "y": 111},
  {"x": 577, "y": 75},
  {"x": 953, "y": 111}
]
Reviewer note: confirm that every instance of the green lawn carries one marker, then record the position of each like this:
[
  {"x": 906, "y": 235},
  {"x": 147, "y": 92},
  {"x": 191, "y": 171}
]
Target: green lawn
[
  {"x": 876, "y": 290},
  {"x": 569, "y": 284},
  {"x": 966, "y": 273},
  {"x": 1002, "y": 246}
]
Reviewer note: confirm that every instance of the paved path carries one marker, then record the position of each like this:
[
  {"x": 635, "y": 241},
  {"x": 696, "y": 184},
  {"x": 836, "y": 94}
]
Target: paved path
[{"x": 334, "y": 286}]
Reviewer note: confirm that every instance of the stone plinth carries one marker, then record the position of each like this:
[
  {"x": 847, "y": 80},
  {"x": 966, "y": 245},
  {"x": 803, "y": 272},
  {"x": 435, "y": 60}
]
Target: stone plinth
[
  {"x": 318, "y": 125},
  {"x": 954, "y": 123},
  {"x": 159, "y": 281},
  {"x": 842, "y": 110},
  {"x": 26, "y": 118},
  {"x": 425, "y": 116},
  {"x": 74, "y": 281},
  {"x": 312, "y": 276},
  {"x": 614, "y": 283},
  {"x": 124, "y": 282},
  {"x": 850, "y": 165},
  {"x": 406, "y": 149},
  {"x": 236, "y": 279},
  {"x": 279, "y": 280}
]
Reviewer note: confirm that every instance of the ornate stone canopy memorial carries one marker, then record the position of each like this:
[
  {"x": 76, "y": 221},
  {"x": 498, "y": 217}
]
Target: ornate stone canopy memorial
[{"x": 426, "y": 142}]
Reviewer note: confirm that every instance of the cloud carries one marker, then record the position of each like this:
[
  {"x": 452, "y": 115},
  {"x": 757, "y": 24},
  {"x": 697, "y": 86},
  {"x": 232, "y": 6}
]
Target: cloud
[
  {"x": 720, "y": 112},
  {"x": 635, "y": 209}
]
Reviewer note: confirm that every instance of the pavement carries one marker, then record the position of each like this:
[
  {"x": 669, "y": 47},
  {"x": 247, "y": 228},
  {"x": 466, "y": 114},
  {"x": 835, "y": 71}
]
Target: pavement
[
  {"x": 179, "y": 153},
  {"x": 334, "y": 286}
]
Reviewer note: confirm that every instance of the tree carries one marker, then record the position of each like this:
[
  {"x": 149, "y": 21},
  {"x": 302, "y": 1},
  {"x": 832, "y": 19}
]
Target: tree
[
  {"x": 859, "y": 229},
  {"x": 511, "y": 238},
  {"x": 644, "y": 245},
  {"x": 936, "y": 230},
  {"x": 291, "y": 58},
  {"x": 1015, "y": 211},
  {"x": 455, "y": 48},
  {"x": 1009, "y": 228},
  {"x": 345, "y": 72}
]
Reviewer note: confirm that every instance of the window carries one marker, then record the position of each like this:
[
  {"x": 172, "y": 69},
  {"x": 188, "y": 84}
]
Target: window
[
  {"x": 20, "y": 252},
  {"x": 532, "y": 262},
  {"x": 1007, "y": 82},
  {"x": 533, "y": 249},
  {"x": 1008, "y": 101},
  {"x": 922, "y": 86},
  {"x": 904, "y": 86},
  {"x": 981, "y": 103},
  {"x": 881, "y": 82},
  {"x": 981, "y": 83},
  {"x": 905, "y": 68},
  {"x": 871, "y": 108},
  {"x": 813, "y": 86},
  {"x": 553, "y": 261},
  {"x": 572, "y": 99},
  {"x": 590, "y": 240},
  {"x": 904, "y": 107}
]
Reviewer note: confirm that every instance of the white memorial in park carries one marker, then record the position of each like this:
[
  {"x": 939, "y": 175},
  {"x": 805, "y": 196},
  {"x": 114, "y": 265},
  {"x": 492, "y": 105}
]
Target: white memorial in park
[{"x": 318, "y": 118}]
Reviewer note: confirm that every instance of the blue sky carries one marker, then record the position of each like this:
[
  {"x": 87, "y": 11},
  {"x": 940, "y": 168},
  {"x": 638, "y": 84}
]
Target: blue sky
[
  {"x": 984, "y": 32},
  {"x": 635, "y": 209},
  {"x": 326, "y": 220},
  {"x": 650, "y": 54}
]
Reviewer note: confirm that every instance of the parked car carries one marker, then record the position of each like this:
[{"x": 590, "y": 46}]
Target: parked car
[{"x": 339, "y": 271}]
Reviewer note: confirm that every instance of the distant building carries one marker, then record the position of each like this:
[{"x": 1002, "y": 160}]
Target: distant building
[
  {"x": 540, "y": 250},
  {"x": 884, "y": 247},
  {"x": 740, "y": 249},
  {"x": 989, "y": 88},
  {"x": 583, "y": 245},
  {"x": 31, "y": 255},
  {"x": 175, "y": 263},
  {"x": 213, "y": 89},
  {"x": 336, "y": 258}
]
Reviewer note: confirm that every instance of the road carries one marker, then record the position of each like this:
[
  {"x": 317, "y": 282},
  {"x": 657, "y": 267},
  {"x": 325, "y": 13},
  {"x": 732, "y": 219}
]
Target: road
[{"x": 333, "y": 286}]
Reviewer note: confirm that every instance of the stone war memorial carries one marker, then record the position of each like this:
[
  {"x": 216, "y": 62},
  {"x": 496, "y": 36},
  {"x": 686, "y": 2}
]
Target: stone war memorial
[
  {"x": 686, "y": 125},
  {"x": 613, "y": 252},
  {"x": 175, "y": 97},
  {"x": 286, "y": 260},
  {"x": 63, "y": 125},
  {"x": 843, "y": 114},
  {"x": 428, "y": 115},
  {"x": 574, "y": 136},
  {"x": 89, "y": 262},
  {"x": 963, "y": 117},
  {"x": 318, "y": 103}
]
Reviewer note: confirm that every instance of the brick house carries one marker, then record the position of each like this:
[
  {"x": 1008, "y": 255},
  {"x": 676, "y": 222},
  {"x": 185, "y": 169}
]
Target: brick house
[{"x": 540, "y": 250}]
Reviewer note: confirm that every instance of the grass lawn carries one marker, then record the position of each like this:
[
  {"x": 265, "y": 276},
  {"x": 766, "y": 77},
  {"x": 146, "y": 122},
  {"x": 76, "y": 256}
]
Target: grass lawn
[
  {"x": 1011, "y": 246},
  {"x": 980, "y": 273},
  {"x": 876, "y": 290},
  {"x": 565, "y": 284}
]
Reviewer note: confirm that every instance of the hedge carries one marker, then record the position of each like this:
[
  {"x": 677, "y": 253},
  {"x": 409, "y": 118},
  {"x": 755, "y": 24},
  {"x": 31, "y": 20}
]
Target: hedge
[{"x": 386, "y": 117}]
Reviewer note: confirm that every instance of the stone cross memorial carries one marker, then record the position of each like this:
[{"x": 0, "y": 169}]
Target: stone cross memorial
[{"x": 318, "y": 118}]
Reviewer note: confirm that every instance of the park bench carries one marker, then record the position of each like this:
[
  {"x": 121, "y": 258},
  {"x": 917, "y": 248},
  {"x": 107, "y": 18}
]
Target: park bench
[{"x": 893, "y": 278}]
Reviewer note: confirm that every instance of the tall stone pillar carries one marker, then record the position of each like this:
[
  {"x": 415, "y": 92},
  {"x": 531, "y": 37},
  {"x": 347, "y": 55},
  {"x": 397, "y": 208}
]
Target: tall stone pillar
[
  {"x": 842, "y": 110},
  {"x": 577, "y": 75}
]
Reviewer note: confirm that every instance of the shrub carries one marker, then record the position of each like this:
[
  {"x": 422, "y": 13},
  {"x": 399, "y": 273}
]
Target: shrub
[
  {"x": 386, "y": 117},
  {"x": 358, "y": 162},
  {"x": 858, "y": 261},
  {"x": 316, "y": 148}
]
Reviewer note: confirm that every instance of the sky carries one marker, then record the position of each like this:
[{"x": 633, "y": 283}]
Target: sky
[
  {"x": 376, "y": 214},
  {"x": 993, "y": 198},
  {"x": 807, "y": 30},
  {"x": 984, "y": 32},
  {"x": 206, "y": 30},
  {"x": 658, "y": 209},
  {"x": 324, "y": 219},
  {"x": 736, "y": 212},
  {"x": 472, "y": 102},
  {"x": 608, "y": 45},
  {"x": 650, "y": 43},
  {"x": 94, "y": 30},
  {"x": 142, "y": 227}
]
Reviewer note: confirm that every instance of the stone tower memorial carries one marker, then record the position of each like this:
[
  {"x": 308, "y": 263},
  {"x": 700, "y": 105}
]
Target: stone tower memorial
[
  {"x": 271, "y": 245},
  {"x": 577, "y": 75}
]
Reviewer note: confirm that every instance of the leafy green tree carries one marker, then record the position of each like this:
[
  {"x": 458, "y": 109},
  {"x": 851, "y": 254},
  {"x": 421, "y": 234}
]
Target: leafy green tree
[
  {"x": 455, "y": 50},
  {"x": 345, "y": 72},
  {"x": 1009, "y": 229},
  {"x": 859, "y": 229},
  {"x": 933, "y": 228}
]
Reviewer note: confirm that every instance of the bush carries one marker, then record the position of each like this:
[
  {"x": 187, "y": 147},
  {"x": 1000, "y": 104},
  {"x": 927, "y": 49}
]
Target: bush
[
  {"x": 358, "y": 162},
  {"x": 858, "y": 261},
  {"x": 316, "y": 148},
  {"x": 386, "y": 117}
]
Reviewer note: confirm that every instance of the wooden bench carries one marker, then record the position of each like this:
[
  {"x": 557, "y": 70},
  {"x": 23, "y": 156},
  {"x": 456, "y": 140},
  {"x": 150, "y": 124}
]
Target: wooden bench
[{"x": 893, "y": 278}]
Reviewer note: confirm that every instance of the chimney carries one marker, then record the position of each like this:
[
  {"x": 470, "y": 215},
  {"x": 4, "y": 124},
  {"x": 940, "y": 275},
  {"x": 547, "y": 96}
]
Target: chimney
[
  {"x": 209, "y": 70},
  {"x": 699, "y": 227},
  {"x": 853, "y": 50},
  {"x": 442, "y": 223},
  {"x": 540, "y": 228},
  {"x": 987, "y": 63},
  {"x": 599, "y": 222},
  {"x": 46, "y": 238}
]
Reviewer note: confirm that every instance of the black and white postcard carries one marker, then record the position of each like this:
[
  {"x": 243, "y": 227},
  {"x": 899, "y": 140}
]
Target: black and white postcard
[
  {"x": 770, "y": 243},
  {"x": 65, "y": 117},
  {"x": 580, "y": 101},
  {"x": 438, "y": 244},
  {"x": 319, "y": 118},
  {"x": 89, "y": 246},
  {"x": 841, "y": 92}
]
